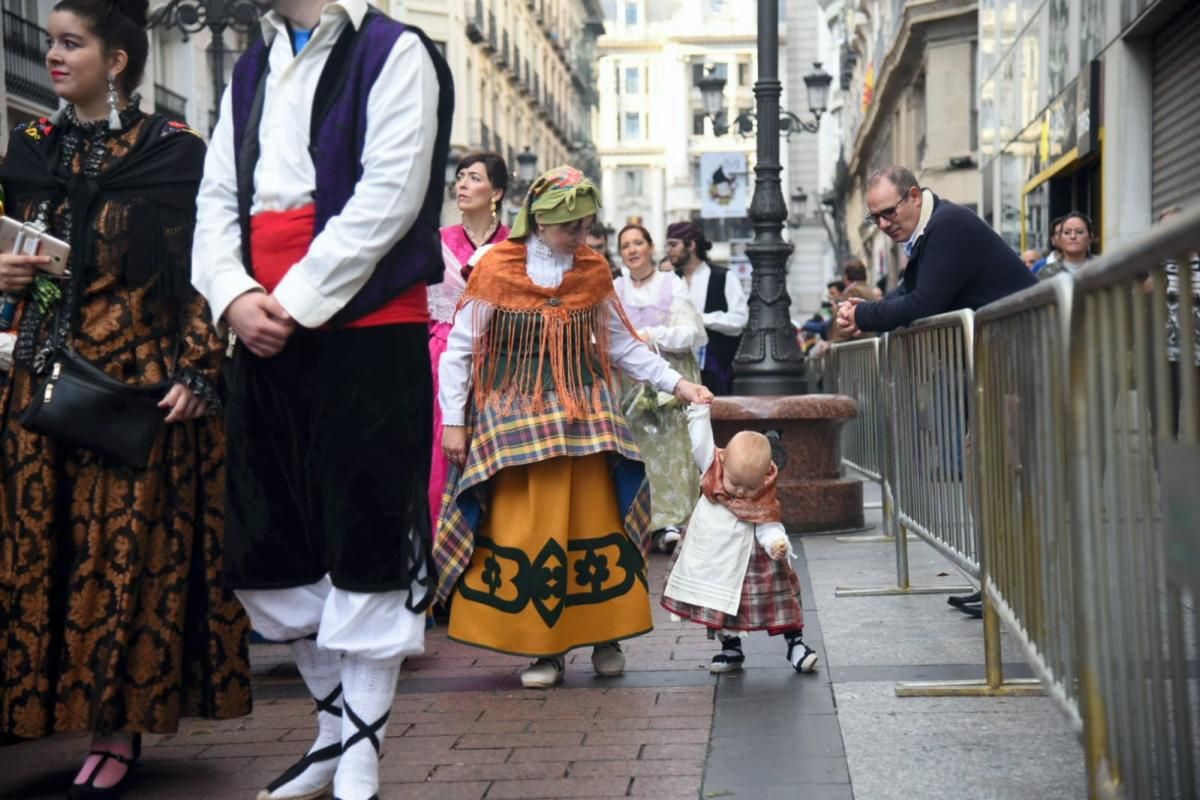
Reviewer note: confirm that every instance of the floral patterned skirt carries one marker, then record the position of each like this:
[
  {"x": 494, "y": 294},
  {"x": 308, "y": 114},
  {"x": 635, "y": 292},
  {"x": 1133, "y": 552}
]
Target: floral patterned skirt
[
  {"x": 661, "y": 433},
  {"x": 552, "y": 568},
  {"x": 113, "y": 615}
]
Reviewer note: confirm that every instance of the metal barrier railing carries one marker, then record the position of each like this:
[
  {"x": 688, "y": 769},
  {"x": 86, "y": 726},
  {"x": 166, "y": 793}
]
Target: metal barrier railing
[
  {"x": 1135, "y": 503},
  {"x": 853, "y": 370},
  {"x": 906, "y": 483},
  {"x": 930, "y": 416},
  {"x": 1085, "y": 531},
  {"x": 1020, "y": 443}
]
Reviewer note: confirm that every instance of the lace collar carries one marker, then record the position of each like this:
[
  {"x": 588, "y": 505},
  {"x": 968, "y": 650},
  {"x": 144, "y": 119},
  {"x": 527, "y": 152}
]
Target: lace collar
[{"x": 544, "y": 266}]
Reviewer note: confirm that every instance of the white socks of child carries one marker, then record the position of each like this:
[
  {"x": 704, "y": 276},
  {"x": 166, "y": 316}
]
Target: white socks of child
[
  {"x": 309, "y": 777},
  {"x": 368, "y": 687}
]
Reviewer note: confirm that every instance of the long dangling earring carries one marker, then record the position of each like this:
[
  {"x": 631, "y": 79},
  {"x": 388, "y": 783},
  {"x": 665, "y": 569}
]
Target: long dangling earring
[
  {"x": 114, "y": 114},
  {"x": 494, "y": 216}
]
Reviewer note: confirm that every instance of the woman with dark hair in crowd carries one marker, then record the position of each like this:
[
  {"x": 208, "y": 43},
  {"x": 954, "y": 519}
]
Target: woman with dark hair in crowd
[
  {"x": 1076, "y": 237},
  {"x": 661, "y": 310},
  {"x": 112, "y": 609},
  {"x": 479, "y": 189}
]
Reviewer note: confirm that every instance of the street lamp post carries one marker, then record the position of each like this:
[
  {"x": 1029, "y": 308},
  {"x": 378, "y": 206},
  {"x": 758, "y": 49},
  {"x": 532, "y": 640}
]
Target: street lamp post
[
  {"x": 769, "y": 360},
  {"x": 193, "y": 16}
]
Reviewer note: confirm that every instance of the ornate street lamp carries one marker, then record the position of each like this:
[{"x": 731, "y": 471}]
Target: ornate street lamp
[
  {"x": 451, "y": 177},
  {"x": 193, "y": 16},
  {"x": 769, "y": 360},
  {"x": 712, "y": 97},
  {"x": 799, "y": 208},
  {"x": 525, "y": 174}
]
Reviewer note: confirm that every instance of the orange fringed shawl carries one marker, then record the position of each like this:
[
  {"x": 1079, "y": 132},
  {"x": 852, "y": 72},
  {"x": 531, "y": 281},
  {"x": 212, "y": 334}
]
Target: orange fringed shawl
[{"x": 566, "y": 327}]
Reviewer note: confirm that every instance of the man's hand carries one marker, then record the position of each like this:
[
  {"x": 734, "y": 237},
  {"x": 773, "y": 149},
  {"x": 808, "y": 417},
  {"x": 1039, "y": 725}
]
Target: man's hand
[
  {"x": 845, "y": 317},
  {"x": 454, "y": 444},
  {"x": 183, "y": 403},
  {"x": 260, "y": 322},
  {"x": 688, "y": 392}
]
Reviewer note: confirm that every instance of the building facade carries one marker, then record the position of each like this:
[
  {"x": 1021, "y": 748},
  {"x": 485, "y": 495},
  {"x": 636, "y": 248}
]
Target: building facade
[
  {"x": 524, "y": 77},
  {"x": 1087, "y": 105},
  {"x": 653, "y": 133},
  {"x": 908, "y": 71}
]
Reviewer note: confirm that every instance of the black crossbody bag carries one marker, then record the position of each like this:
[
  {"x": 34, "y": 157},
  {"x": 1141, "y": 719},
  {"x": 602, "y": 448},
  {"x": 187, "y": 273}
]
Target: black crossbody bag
[{"x": 80, "y": 405}]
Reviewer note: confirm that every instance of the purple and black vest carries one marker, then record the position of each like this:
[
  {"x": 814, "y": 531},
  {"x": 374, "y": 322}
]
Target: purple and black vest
[{"x": 338, "y": 135}]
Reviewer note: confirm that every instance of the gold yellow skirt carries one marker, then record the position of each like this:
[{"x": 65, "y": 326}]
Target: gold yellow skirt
[{"x": 552, "y": 567}]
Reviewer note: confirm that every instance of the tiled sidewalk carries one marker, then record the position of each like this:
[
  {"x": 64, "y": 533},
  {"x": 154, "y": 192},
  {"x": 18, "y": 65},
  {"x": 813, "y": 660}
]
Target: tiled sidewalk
[{"x": 461, "y": 728}]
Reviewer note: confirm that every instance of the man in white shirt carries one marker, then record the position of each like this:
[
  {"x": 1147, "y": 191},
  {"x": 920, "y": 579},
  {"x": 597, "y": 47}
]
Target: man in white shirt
[
  {"x": 317, "y": 230},
  {"x": 718, "y": 297}
]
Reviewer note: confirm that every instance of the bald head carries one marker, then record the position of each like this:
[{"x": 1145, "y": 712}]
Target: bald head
[{"x": 747, "y": 462}]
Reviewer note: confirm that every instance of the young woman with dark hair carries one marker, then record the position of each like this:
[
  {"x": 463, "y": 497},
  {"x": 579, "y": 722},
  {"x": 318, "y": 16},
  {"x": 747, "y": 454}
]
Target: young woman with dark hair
[
  {"x": 1076, "y": 238},
  {"x": 479, "y": 189},
  {"x": 115, "y": 619}
]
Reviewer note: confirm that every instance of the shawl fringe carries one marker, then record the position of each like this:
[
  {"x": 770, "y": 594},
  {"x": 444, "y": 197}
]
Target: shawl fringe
[{"x": 532, "y": 328}]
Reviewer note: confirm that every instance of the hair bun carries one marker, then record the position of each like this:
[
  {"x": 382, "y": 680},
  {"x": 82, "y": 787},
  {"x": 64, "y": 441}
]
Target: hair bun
[{"x": 136, "y": 10}]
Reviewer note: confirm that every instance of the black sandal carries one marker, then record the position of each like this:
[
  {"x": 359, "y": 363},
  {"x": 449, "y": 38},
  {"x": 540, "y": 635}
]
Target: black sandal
[{"x": 87, "y": 791}]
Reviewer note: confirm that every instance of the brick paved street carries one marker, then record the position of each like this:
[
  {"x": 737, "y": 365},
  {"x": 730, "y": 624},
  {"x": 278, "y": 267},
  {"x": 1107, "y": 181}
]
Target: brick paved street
[{"x": 462, "y": 728}]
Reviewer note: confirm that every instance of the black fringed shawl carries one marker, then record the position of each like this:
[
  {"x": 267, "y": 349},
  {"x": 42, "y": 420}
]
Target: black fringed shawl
[{"x": 159, "y": 177}]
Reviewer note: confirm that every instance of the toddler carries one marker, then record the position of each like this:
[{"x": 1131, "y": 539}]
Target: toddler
[{"x": 733, "y": 571}]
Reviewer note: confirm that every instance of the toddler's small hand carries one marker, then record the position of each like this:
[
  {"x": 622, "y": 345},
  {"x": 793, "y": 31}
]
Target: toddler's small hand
[{"x": 779, "y": 550}]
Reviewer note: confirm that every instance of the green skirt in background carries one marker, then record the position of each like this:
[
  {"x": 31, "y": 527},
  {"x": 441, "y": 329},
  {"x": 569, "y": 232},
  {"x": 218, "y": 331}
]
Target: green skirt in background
[{"x": 661, "y": 431}]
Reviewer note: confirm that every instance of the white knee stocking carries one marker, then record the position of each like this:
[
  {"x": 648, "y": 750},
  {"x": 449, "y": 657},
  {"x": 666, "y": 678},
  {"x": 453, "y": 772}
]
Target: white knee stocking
[
  {"x": 368, "y": 688},
  {"x": 310, "y": 776}
]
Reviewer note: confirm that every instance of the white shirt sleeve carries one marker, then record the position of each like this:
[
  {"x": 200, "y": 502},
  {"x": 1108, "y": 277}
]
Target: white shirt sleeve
[
  {"x": 454, "y": 370},
  {"x": 635, "y": 359},
  {"x": 733, "y": 321},
  {"x": 685, "y": 330},
  {"x": 397, "y": 157},
  {"x": 768, "y": 533},
  {"x": 700, "y": 432},
  {"x": 217, "y": 269}
]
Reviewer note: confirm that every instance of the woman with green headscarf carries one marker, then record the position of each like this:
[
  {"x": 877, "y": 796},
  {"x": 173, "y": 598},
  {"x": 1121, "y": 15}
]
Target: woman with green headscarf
[{"x": 543, "y": 531}]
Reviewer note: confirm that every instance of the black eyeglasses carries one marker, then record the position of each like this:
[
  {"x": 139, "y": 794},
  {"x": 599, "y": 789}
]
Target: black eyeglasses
[{"x": 888, "y": 213}]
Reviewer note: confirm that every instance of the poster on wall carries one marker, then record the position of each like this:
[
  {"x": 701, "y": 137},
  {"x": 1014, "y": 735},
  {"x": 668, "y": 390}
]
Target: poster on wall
[{"x": 723, "y": 179}]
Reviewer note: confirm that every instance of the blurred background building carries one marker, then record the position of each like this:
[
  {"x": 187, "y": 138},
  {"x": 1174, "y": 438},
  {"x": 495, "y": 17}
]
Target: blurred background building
[
  {"x": 653, "y": 134},
  {"x": 523, "y": 75}
]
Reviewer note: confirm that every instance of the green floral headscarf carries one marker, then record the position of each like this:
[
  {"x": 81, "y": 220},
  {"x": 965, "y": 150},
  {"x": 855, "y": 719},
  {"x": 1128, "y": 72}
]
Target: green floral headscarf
[{"x": 564, "y": 194}]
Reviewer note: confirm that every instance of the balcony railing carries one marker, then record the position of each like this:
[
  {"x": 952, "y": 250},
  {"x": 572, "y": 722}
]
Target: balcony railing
[
  {"x": 168, "y": 103},
  {"x": 492, "y": 44},
  {"x": 475, "y": 24},
  {"x": 25, "y": 61}
]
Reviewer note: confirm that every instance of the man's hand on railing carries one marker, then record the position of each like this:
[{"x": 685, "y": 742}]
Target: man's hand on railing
[{"x": 845, "y": 317}]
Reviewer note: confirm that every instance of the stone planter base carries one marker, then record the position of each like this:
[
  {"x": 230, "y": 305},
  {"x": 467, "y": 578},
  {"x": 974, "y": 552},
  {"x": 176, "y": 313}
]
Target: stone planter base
[{"x": 805, "y": 433}]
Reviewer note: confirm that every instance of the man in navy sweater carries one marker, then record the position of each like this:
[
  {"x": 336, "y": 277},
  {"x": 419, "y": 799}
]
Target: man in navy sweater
[{"x": 955, "y": 260}]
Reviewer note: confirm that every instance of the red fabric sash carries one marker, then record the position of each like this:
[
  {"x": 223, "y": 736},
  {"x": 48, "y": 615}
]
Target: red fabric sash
[
  {"x": 279, "y": 239},
  {"x": 763, "y": 507}
]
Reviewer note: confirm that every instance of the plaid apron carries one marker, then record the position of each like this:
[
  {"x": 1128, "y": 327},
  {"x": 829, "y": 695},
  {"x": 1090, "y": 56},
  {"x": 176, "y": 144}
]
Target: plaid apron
[{"x": 770, "y": 599}]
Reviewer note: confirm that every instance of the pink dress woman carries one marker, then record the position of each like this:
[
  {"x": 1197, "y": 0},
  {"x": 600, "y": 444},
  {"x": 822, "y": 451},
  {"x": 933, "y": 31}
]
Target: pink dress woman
[{"x": 457, "y": 249}]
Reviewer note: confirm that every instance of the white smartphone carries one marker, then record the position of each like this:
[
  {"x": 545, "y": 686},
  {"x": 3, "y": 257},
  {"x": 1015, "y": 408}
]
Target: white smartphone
[{"x": 26, "y": 240}]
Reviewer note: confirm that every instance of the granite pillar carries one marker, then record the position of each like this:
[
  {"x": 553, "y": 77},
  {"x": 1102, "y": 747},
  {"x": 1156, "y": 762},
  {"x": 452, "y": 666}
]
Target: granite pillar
[{"x": 805, "y": 432}]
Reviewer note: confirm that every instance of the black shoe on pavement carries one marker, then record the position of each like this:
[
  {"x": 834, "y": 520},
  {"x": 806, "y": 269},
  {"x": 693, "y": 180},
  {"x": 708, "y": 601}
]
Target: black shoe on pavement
[
  {"x": 972, "y": 610},
  {"x": 731, "y": 657},
  {"x": 958, "y": 601}
]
